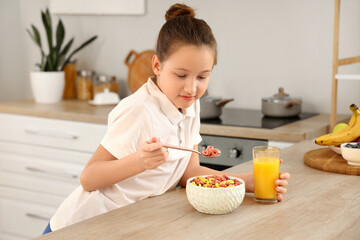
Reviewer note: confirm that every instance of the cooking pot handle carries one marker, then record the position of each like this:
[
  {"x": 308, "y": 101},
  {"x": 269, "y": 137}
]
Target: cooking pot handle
[
  {"x": 127, "y": 59},
  {"x": 290, "y": 103},
  {"x": 222, "y": 102}
]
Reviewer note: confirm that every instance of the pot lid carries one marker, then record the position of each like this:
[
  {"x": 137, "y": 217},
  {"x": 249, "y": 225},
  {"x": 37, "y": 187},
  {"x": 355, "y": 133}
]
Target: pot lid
[{"x": 280, "y": 97}]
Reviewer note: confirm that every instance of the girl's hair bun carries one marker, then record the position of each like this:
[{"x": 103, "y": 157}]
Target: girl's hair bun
[{"x": 179, "y": 10}]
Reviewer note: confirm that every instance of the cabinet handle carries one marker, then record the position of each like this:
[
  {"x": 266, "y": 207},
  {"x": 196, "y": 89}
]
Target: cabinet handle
[
  {"x": 61, "y": 174},
  {"x": 36, "y": 131},
  {"x": 37, "y": 216}
]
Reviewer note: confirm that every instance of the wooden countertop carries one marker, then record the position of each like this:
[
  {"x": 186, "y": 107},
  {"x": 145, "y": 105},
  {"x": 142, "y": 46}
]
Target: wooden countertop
[
  {"x": 77, "y": 110},
  {"x": 318, "y": 205}
]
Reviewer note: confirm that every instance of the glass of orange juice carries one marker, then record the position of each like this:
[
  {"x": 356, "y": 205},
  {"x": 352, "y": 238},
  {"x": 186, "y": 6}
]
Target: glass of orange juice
[{"x": 266, "y": 160}]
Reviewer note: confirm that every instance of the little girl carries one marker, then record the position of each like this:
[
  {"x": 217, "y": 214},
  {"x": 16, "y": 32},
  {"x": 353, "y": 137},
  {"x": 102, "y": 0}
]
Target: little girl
[{"x": 131, "y": 163}]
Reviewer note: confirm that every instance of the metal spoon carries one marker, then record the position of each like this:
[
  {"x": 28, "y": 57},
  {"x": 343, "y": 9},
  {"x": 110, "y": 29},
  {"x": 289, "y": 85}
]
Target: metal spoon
[{"x": 190, "y": 150}]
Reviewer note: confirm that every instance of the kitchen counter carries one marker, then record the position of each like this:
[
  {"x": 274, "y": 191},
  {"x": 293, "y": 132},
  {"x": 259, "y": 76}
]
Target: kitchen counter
[
  {"x": 77, "y": 110},
  {"x": 318, "y": 205}
]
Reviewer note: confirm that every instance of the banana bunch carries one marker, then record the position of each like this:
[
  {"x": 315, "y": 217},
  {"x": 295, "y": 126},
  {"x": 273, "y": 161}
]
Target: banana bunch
[{"x": 348, "y": 134}]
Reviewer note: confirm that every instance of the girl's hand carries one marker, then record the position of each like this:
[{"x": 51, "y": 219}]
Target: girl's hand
[
  {"x": 152, "y": 154},
  {"x": 281, "y": 183}
]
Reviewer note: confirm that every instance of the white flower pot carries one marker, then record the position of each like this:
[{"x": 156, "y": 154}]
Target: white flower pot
[{"x": 47, "y": 87}]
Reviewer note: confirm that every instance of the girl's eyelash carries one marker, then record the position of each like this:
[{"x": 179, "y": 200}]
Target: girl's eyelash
[{"x": 184, "y": 76}]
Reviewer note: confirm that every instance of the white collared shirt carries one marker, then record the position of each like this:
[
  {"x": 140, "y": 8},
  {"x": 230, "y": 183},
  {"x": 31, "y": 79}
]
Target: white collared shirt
[{"x": 145, "y": 114}]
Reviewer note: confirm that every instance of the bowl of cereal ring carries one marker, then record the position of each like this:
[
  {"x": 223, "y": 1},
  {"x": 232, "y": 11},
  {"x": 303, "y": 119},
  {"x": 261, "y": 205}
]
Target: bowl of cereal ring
[{"x": 215, "y": 194}]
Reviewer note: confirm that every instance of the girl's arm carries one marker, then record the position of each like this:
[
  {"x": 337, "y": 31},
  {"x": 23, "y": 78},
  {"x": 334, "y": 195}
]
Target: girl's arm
[{"x": 103, "y": 169}]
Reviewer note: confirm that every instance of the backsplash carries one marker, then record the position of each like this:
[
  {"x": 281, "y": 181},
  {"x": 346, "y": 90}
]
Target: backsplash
[{"x": 262, "y": 45}]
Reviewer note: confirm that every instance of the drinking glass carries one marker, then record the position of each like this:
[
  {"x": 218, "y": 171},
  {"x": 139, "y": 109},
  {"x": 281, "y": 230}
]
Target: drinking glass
[{"x": 266, "y": 160}]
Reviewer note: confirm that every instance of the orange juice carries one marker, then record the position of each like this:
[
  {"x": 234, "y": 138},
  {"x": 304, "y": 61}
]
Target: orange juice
[{"x": 266, "y": 171}]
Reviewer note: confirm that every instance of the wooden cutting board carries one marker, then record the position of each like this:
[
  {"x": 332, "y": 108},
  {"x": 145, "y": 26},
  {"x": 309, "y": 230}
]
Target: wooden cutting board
[
  {"x": 327, "y": 160},
  {"x": 140, "y": 68}
]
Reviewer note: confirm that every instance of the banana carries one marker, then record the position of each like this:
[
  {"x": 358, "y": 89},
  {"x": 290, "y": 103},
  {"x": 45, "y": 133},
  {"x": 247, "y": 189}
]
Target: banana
[
  {"x": 347, "y": 134},
  {"x": 354, "y": 109}
]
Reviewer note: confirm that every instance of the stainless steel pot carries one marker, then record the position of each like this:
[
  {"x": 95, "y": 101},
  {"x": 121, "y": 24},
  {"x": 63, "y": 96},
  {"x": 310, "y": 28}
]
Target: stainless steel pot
[
  {"x": 211, "y": 107},
  {"x": 281, "y": 105}
]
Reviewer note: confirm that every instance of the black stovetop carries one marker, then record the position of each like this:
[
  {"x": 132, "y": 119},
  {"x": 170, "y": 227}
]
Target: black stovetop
[{"x": 253, "y": 119}]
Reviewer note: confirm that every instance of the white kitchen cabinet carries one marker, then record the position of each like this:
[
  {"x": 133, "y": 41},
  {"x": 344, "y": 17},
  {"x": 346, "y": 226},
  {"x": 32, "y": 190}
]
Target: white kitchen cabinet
[{"x": 41, "y": 160}]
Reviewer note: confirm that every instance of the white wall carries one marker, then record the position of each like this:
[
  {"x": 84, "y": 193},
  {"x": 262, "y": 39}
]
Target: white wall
[
  {"x": 13, "y": 81},
  {"x": 262, "y": 45}
]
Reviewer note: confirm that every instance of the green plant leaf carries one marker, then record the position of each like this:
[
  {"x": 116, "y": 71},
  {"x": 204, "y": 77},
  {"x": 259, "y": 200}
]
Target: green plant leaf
[
  {"x": 60, "y": 35},
  {"x": 56, "y": 59},
  {"x": 67, "y": 47},
  {"x": 78, "y": 49},
  {"x": 46, "y": 64},
  {"x": 61, "y": 60},
  {"x": 51, "y": 64},
  {"x": 35, "y": 36},
  {"x": 42, "y": 67},
  {"x": 32, "y": 36},
  {"x": 46, "y": 18}
]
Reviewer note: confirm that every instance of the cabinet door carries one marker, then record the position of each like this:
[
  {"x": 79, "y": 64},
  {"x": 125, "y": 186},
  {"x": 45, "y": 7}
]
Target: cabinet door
[
  {"x": 51, "y": 132},
  {"x": 24, "y": 219},
  {"x": 25, "y": 214}
]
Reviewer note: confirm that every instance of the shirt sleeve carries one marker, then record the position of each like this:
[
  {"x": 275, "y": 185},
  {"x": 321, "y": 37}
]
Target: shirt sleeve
[
  {"x": 127, "y": 130},
  {"x": 198, "y": 139}
]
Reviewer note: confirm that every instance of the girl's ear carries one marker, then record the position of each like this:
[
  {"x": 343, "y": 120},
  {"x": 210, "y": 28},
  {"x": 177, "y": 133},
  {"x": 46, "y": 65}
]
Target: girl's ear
[{"x": 156, "y": 65}]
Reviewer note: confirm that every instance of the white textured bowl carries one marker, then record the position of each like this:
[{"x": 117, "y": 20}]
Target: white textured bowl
[
  {"x": 351, "y": 155},
  {"x": 336, "y": 149},
  {"x": 215, "y": 200}
]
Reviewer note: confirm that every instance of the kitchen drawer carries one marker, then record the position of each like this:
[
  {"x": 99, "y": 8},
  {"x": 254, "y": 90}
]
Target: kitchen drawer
[
  {"x": 45, "y": 153},
  {"x": 31, "y": 196},
  {"x": 40, "y": 166},
  {"x": 24, "y": 219},
  {"x": 36, "y": 184},
  {"x": 51, "y": 132},
  {"x": 41, "y": 169}
]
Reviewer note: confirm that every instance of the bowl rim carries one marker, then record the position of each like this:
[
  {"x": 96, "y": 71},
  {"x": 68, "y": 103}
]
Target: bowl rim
[
  {"x": 352, "y": 143},
  {"x": 231, "y": 177}
]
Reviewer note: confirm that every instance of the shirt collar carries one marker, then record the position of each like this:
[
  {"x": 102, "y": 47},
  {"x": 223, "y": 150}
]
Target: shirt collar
[{"x": 167, "y": 107}]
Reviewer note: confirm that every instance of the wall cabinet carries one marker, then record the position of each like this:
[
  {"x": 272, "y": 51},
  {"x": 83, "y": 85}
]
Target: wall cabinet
[{"x": 41, "y": 161}]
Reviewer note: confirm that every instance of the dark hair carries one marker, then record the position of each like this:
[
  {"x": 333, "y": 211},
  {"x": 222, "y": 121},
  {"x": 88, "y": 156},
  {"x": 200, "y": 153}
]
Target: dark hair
[{"x": 181, "y": 28}]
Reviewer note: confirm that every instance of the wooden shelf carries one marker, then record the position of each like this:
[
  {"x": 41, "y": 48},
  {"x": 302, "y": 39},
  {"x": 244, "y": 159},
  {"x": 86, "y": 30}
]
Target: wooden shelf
[
  {"x": 336, "y": 64},
  {"x": 347, "y": 77}
]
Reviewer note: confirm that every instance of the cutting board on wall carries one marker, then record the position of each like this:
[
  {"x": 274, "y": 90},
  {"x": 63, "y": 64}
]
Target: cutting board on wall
[
  {"x": 327, "y": 160},
  {"x": 140, "y": 68}
]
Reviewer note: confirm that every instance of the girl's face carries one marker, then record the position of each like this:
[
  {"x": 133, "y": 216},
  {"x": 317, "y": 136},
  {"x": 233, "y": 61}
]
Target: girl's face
[{"x": 184, "y": 76}]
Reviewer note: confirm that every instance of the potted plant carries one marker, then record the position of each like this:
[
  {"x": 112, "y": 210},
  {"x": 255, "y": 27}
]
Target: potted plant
[{"x": 48, "y": 83}]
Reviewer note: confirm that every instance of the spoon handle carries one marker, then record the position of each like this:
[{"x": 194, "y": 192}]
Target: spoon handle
[{"x": 181, "y": 148}]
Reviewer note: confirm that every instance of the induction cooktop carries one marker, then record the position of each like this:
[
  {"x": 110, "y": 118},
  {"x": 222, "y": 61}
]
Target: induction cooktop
[{"x": 253, "y": 118}]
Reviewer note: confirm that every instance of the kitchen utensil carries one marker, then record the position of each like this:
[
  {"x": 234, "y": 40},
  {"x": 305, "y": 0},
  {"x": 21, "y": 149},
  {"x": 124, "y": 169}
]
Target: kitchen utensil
[
  {"x": 140, "y": 68},
  {"x": 281, "y": 105},
  {"x": 211, "y": 107},
  {"x": 327, "y": 160},
  {"x": 103, "y": 81},
  {"x": 85, "y": 85},
  {"x": 215, "y": 200},
  {"x": 190, "y": 150},
  {"x": 70, "y": 81},
  {"x": 105, "y": 98}
]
